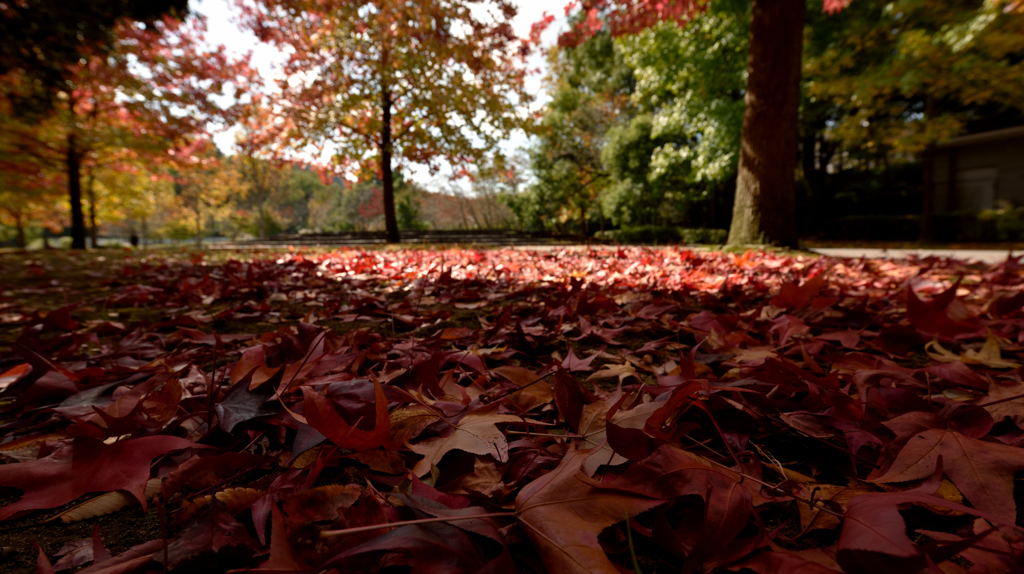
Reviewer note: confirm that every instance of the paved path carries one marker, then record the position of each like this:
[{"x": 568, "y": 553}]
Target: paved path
[
  {"x": 983, "y": 255},
  {"x": 526, "y": 241}
]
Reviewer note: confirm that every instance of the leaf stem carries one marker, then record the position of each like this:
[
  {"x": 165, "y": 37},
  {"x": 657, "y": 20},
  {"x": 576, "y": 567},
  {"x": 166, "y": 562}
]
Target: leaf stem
[
  {"x": 353, "y": 530},
  {"x": 1003, "y": 400},
  {"x": 550, "y": 434},
  {"x": 632, "y": 548},
  {"x": 507, "y": 394}
]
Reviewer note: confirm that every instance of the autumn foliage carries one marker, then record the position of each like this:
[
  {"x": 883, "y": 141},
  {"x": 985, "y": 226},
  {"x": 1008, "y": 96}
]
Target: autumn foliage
[{"x": 585, "y": 410}]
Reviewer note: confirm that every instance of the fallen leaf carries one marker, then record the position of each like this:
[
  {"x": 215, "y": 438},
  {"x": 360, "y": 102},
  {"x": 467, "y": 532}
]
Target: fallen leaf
[
  {"x": 989, "y": 355},
  {"x": 454, "y": 333},
  {"x": 533, "y": 392},
  {"x": 620, "y": 371},
  {"x": 874, "y": 534},
  {"x": 322, "y": 414},
  {"x": 564, "y": 511},
  {"x": 408, "y": 422},
  {"x": 240, "y": 405},
  {"x": 1005, "y": 401},
  {"x": 594, "y": 428},
  {"x": 995, "y": 549},
  {"x": 572, "y": 363},
  {"x": 474, "y": 433},
  {"x": 830, "y": 495},
  {"x": 234, "y": 500},
  {"x": 105, "y": 503},
  {"x": 727, "y": 500},
  {"x": 485, "y": 479},
  {"x": 80, "y": 552},
  {"x": 215, "y": 531},
  {"x": 982, "y": 470},
  {"x": 86, "y": 465},
  {"x": 941, "y": 316},
  {"x": 781, "y": 561},
  {"x": 14, "y": 374},
  {"x": 437, "y": 547},
  {"x": 794, "y": 296}
]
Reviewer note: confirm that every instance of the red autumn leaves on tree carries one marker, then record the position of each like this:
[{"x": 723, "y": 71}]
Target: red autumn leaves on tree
[
  {"x": 379, "y": 86},
  {"x": 156, "y": 87},
  {"x": 598, "y": 410}
]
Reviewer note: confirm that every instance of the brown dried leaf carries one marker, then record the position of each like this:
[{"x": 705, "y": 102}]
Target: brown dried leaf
[
  {"x": 486, "y": 479},
  {"x": 106, "y": 503},
  {"x": 593, "y": 426},
  {"x": 534, "y": 393},
  {"x": 989, "y": 355},
  {"x": 239, "y": 498},
  {"x": 620, "y": 371},
  {"x": 983, "y": 471},
  {"x": 1012, "y": 405},
  {"x": 564, "y": 511},
  {"x": 408, "y": 422},
  {"x": 474, "y": 433}
]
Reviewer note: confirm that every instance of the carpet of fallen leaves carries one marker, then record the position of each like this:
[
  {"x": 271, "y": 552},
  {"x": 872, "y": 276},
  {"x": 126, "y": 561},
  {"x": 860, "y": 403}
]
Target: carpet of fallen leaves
[{"x": 563, "y": 411}]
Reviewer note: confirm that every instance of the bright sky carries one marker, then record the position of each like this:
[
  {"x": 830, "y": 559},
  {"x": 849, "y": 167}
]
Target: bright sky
[{"x": 223, "y": 29}]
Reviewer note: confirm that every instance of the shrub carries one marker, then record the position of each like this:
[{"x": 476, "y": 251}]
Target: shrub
[
  {"x": 656, "y": 234},
  {"x": 705, "y": 235},
  {"x": 1008, "y": 223},
  {"x": 662, "y": 235}
]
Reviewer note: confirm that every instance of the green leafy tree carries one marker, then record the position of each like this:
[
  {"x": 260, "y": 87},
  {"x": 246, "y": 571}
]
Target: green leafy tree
[
  {"x": 590, "y": 87},
  {"x": 408, "y": 205},
  {"x": 691, "y": 81},
  {"x": 764, "y": 210},
  {"x": 322, "y": 198},
  {"x": 204, "y": 186},
  {"x": 265, "y": 184},
  {"x": 886, "y": 81},
  {"x": 904, "y": 75},
  {"x": 674, "y": 159},
  {"x": 637, "y": 194},
  {"x": 644, "y": 128}
]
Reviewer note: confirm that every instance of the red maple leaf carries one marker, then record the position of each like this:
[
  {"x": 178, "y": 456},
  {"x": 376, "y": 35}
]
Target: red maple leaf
[{"x": 86, "y": 465}]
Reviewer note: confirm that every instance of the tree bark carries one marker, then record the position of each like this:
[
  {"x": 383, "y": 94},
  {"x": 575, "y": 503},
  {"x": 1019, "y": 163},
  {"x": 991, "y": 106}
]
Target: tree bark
[
  {"x": 73, "y": 164},
  {"x": 198, "y": 222},
  {"x": 90, "y": 192},
  {"x": 20, "y": 239},
  {"x": 386, "y": 173},
  {"x": 764, "y": 211}
]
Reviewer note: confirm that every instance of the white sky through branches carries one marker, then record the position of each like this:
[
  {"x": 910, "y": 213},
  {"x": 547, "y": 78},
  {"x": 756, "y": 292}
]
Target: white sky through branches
[{"x": 223, "y": 29}]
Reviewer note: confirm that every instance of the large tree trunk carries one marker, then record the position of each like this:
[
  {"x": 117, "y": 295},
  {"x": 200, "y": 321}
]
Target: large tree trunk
[
  {"x": 198, "y": 221},
  {"x": 387, "y": 176},
  {"x": 20, "y": 239},
  {"x": 73, "y": 164},
  {"x": 764, "y": 211},
  {"x": 261, "y": 225},
  {"x": 90, "y": 192}
]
